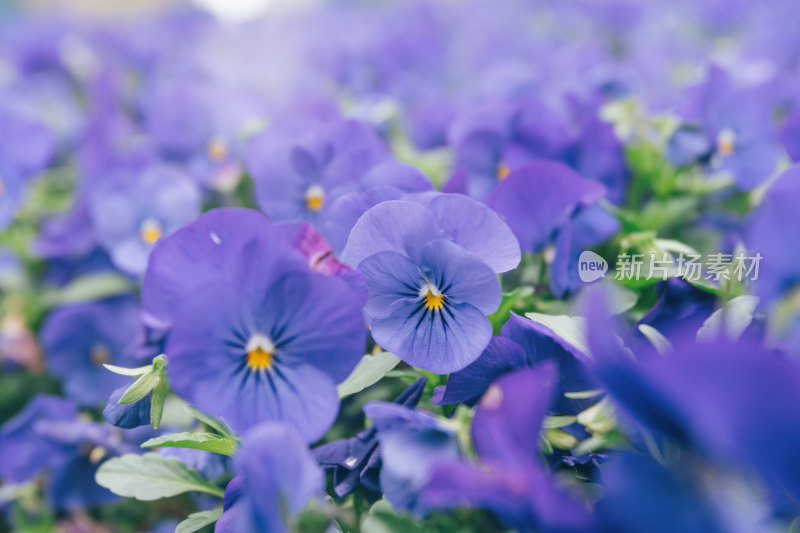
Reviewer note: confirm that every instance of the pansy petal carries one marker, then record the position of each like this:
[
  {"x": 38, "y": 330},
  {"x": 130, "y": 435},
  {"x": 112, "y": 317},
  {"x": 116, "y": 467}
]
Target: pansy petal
[
  {"x": 461, "y": 276},
  {"x": 439, "y": 341},
  {"x": 475, "y": 227},
  {"x": 396, "y": 225},
  {"x": 502, "y": 356},
  {"x": 510, "y": 414}
]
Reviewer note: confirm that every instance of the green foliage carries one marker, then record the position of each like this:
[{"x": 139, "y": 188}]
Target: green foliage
[
  {"x": 197, "y": 521},
  {"x": 209, "y": 442},
  {"x": 369, "y": 371},
  {"x": 151, "y": 477}
]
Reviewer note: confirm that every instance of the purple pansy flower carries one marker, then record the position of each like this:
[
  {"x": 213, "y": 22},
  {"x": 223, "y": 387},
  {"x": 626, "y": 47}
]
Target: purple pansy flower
[
  {"x": 26, "y": 147},
  {"x": 731, "y": 403},
  {"x": 495, "y": 138},
  {"x": 25, "y": 452},
  {"x": 278, "y": 478},
  {"x": 548, "y": 204},
  {"x": 274, "y": 337},
  {"x": 431, "y": 269},
  {"x": 47, "y": 435},
  {"x": 297, "y": 180},
  {"x": 511, "y": 481},
  {"x": 132, "y": 212},
  {"x": 78, "y": 339},
  {"x": 780, "y": 269},
  {"x": 127, "y": 416},
  {"x": 728, "y": 129},
  {"x": 355, "y": 462},
  {"x": 412, "y": 443},
  {"x": 681, "y": 308},
  {"x": 522, "y": 343}
]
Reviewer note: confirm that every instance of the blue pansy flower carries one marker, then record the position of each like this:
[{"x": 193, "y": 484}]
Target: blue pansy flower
[
  {"x": 510, "y": 480},
  {"x": 522, "y": 343},
  {"x": 430, "y": 268},
  {"x": 79, "y": 339},
  {"x": 727, "y": 129},
  {"x": 274, "y": 337},
  {"x": 681, "y": 307},
  {"x": 355, "y": 462},
  {"x": 135, "y": 208},
  {"x": 299, "y": 179},
  {"x": 127, "y": 416},
  {"x": 48, "y": 436},
  {"x": 779, "y": 269},
  {"x": 730, "y": 403},
  {"x": 497, "y": 137},
  {"x": 25, "y": 452},
  {"x": 273, "y": 353},
  {"x": 412, "y": 443},
  {"x": 278, "y": 478},
  {"x": 552, "y": 208},
  {"x": 640, "y": 494},
  {"x": 26, "y": 147}
]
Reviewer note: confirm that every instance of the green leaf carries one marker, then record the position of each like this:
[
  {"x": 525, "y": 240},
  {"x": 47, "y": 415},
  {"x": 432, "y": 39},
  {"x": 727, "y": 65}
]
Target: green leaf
[
  {"x": 140, "y": 388},
  {"x": 132, "y": 372},
  {"x": 88, "y": 288},
  {"x": 383, "y": 519},
  {"x": 197, "y": 521},
  {"x": 511, "y": 301},
  {"x": 571, "y": 329},
  {"x": 218, "y": 425},
  {"x": 160, "y": 392},
  {"x": 659, "y": 341},
  {"x": 584, "y": 395},
  {"x": 730, "y": 321},
  {"x": 369, "y": 371},
  {"x": 558, "y": 421},
  {"x": 151, "y": 477},
  {"x": 209, "y": 442}
]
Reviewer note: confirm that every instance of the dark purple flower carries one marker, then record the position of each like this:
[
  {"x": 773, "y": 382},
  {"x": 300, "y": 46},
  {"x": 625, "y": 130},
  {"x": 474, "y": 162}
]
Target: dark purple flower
[
  {"x": 730, "y": 403},
  {"x": 522, "y": 343},
  {"x": 548, "y": 204},
  {"x": 511, "y": 481},
  {"x": 278, "y": 478},
  {"x": 355, "y": 462},
  {"x": 26, "y": 452},
  {"x": 412, "y": 443},
  {"x": 779, "y": 271},
  {"x": 681, "y": 308},
  {"x": 493, "y": 139},
  {"x": 127, "y": 416},
  {"x": 48, "y": 436},
  {"x": 78, "y": 339}
]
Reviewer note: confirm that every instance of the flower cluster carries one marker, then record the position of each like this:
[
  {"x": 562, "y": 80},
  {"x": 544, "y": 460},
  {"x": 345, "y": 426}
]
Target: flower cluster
[{"x": 401, "y": 266}]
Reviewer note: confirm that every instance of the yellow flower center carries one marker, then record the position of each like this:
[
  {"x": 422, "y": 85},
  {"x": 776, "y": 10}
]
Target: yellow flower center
[
  {"x": 259, "y": 352},
  {"x": 434, "y": 299},
  {"x": 217, "y": 149},
  {"x": 100, "y": 354},
  {"x": 315, "y": 197},
  {"x": 502, "y": 171},
  {"x": 258, "y": 359},
  {"x": 150, "y": 231},
  {"x": 726, "y": 142}
]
